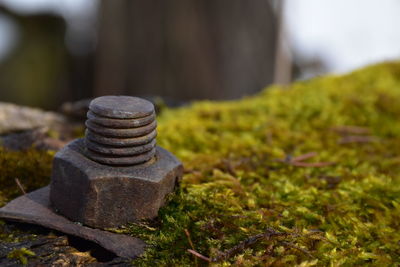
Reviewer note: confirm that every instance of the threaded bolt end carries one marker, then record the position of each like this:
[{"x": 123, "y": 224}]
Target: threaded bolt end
[{"x": 121, "y": 130}]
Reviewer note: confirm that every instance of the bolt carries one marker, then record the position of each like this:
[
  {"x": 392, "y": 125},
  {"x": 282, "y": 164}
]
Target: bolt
[
  {"x": 123, "y": 136},
  {"x": 117, "y": 173}
]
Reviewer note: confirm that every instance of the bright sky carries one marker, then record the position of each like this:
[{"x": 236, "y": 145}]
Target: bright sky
[
  {"x": 347, "y": 34},
  {"x": 59, "y": 6}
]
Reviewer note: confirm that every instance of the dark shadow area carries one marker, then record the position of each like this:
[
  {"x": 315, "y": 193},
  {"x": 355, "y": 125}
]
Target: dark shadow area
[
  {"x": 44, "y": 242},
  {"x": 96, "y": 251}
]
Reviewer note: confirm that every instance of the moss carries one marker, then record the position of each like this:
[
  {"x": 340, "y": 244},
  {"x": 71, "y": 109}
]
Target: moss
[
  {"x": 32, "y": 168},
  {"x": 240, "y": 181},
  {"x": 305, "y": 175},
  {"x": 21, "y": 255}
]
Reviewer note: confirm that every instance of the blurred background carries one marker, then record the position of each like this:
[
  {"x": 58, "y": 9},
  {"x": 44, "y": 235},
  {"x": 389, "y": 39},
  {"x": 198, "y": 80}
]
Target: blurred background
[{"x": 55, "y": 51}]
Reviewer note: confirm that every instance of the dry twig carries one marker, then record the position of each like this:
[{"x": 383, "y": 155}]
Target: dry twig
[
  {"x": 20, "y": 186},
  {"x": 267, "y": 235},
  {"x": 198, "y": 255},
  {"x": 247, "y": 243},
  {"x": 299, "y": 161},
  {"x": 357, "y": 139},
  {"x": 189, "y": 239},
  {"x": 312, "y": 164},
  {"x": 290, "y": 244},
  {"x": 351, "y": 129},
  {"x": 304, "y": 156}
]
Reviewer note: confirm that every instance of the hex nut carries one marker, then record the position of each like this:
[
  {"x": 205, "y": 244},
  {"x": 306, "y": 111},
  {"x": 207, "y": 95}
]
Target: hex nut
[{"x": 104, "y": 196}]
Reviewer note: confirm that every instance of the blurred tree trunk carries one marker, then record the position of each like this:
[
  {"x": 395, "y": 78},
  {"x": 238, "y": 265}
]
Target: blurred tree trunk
[
  {"x": 185, "y": 49},
  {"x": 33, "y": 72}
]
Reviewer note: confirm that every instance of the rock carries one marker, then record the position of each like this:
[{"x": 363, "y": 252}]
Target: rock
[
  {"x": 37, "y": 138},
  {"x": 24, "y": 127},
  {"x": 14, "y": 118}
]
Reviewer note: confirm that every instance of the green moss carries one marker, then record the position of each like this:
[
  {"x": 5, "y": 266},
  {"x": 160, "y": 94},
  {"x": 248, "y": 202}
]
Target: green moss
[
  {"x": 21, "y": 255},
  {"x": 237, "y": 186},
  {"x": 339, "y": 207},
  {"x": 32, "y": 168}
]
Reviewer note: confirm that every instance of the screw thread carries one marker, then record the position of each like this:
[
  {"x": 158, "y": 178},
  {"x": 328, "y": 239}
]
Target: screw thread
[{"x": 120, "y": 141}]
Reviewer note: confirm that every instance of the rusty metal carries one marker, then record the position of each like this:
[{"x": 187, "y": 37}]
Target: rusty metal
[
  {"x": 35, "y": 208},
  {"x": 121, "y": 107},
  {"x": 120, "y": 118},
  {"x": 105, "y": 179},
  {"x": 116, "y": 174}
]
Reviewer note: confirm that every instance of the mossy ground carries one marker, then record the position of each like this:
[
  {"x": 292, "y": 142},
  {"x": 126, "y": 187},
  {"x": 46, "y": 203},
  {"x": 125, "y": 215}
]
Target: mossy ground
[
  {"x": 304, "y": 175},
  {"x": 32, "y": 168}
]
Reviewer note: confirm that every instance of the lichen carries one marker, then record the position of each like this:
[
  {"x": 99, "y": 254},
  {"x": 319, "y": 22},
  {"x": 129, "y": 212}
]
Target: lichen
[{"x": 307, "y": 174}]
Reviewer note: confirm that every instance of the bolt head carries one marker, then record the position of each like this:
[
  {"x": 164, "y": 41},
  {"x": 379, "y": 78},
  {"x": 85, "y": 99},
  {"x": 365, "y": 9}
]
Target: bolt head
[{"x": 103, "y": 196}]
